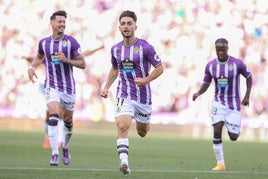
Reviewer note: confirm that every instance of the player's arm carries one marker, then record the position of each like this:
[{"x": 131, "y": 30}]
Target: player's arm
[
  {"x": 245, "y": 100},
  {"x": 90, "y": 52},
  {"x": 35, "y": 63},
  {"x": 78, "y": 61},
  {"x": 113, "y": 74},
  {"x": 152, "y": 76},
  {"x": 202, "y": 90}
]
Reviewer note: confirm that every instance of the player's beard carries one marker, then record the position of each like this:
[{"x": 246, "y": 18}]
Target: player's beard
[
  {"x": 60, "y": 32},
  {"x": 127, "y": 34}
]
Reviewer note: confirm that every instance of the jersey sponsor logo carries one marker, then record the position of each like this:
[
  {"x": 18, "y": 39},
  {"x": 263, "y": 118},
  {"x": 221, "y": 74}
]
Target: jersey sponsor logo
[
  {"x": 54, "y": 59},
  {"x": 128, "y": 66},
  {"x": 222, "y": 82}
]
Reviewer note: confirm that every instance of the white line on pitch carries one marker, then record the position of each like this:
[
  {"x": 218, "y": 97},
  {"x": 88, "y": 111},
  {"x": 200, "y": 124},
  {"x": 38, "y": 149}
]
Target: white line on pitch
[{"x": 137, "y": 170}]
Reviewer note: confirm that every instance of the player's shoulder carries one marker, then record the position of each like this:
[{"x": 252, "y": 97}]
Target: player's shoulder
[
  {"x": 212, "y": 61},
  {"x": 235, "y": 60},
  {"x": 118, "y": 44},
  {"x": 69, "y": 37},
  {"x": 143, "y": 42},
  {"x": 45, "y": 38}
]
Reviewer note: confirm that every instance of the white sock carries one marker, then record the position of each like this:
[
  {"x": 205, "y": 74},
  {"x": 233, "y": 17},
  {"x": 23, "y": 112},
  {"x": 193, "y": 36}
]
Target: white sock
[
  {"x": 67, "y": 134},
  {"x": 46, "y": 130},
  {"x": 53, "y": 136},
  {"x": 61, "y": 125},
  {"x": 122, "y": 149},
  {"x": 218, "y": 151}
]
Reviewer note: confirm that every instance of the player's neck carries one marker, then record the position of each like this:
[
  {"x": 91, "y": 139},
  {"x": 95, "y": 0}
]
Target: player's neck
[
  {"x": 129, "y": 40},
  {"x": 57, "y": 36},
  {"x": 224, "y": 59}
]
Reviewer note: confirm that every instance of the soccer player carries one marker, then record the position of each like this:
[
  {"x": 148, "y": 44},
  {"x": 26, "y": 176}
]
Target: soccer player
[
  {"x": 61, "y": 53},
  {"x": 225, "y": 70},
  {"x": 131, "y": 59},
  {"x": 46, "y": 143}
]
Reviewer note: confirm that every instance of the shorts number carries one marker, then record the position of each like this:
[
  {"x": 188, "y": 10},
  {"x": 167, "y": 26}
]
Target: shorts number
[{"x": 214, "y": 111}]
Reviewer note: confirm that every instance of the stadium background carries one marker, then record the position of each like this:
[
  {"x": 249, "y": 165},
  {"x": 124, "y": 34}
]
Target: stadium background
[{"x": 183, "y": 32}]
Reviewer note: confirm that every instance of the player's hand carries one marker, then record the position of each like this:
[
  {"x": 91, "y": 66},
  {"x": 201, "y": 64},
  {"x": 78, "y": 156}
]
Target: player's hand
[
  {"x": 62, "y": 57},
  {"x": 195, "y": 95},
  {"x": 104, "y": 93},
  {"x": 140, "y": 82},
  {"x": 245, "y": 101},
  {"x": 32, "y": 75}
]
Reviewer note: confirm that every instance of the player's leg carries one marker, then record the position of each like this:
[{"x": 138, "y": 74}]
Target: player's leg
[
  {"x": 67, "y": 134},
  {"x": 54, "y": 116},
  {"x": 123, "y": 116},
  {"x": 142, "y": 128},
  {"x": 123, "y": 123},
  {"x": 60, "y": 138},
  {"x": 67, "y": 103},
  {"x": 233, "y": 124},
  {"x": 55, "y": 112},
  {"x": 143, "y": 118},
  {"x": 218, "y": 146},
  {"x": 218, "y": 118},
  {"x": 46, "y": 143}
]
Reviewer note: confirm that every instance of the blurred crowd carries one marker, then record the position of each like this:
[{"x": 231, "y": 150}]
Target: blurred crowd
[{"x": 182, "y": 31}]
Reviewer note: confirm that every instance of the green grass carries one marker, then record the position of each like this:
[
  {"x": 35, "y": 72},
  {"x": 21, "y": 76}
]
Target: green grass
[{"x": 154, "y": 157}]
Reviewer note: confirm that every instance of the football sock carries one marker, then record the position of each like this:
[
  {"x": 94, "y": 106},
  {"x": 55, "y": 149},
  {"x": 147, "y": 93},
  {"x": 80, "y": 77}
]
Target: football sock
[
  {"x": 122, "y": 149},
  {"x": 61, "y": 125},
  {"x": 218, "y": 151},
  {"x": 46, "y": 130},
  {"x": 53, "y": 132},
  {"x": 67, "y": 133}
]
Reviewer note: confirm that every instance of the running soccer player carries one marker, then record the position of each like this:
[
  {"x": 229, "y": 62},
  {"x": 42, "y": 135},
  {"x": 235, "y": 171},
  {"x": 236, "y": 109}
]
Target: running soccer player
[
  {"x": 225, "y": 70},
  {"x": 61, "y": 53},
  {"x": 131, "y": 59}
]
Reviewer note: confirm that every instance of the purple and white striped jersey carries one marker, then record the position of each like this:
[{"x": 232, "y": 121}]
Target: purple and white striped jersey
[
  {"x": 226, "y": 76},
  {"x": 134, "y": 61},
  {"x": 59, "y": 76}
]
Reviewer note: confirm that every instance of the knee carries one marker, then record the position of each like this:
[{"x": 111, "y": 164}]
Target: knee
[
  {"x": 122, "y": 128},
  {"x": 142, "y": 133},
  {"x": 233, "y": 137},
  {"x": 217, "y": 134}
]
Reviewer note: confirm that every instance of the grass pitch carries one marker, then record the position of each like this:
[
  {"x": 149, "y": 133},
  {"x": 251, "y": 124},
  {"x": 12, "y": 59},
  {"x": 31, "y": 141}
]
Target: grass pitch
[{"x": 94, "y": 156}]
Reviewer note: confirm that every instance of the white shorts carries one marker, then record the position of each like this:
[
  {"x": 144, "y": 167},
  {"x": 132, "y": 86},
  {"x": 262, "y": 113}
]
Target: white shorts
[
  {"x": 65, "y": 100},
  {"x": 140, "y": 112},
  {"x": 231, "y": 118}
]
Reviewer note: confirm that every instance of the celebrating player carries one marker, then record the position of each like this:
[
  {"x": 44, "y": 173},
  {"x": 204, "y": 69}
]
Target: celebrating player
[
  {"x": 61, "y": 53},
  {"x": 131, "y": 59}
]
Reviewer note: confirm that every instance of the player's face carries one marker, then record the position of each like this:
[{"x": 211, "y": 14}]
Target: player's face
[
  {"x": 221, "y": 52},
  {"x": 58, "y": 25},
  {"x": 127, "y": 27}
]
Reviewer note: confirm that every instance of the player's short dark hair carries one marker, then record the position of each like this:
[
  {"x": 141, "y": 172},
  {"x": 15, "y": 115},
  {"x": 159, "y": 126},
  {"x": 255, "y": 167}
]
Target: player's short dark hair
[
  {"x": 221, "y": 41},
  {"x": 58, "y": 13},
  {"x": 128, "y": 13}
]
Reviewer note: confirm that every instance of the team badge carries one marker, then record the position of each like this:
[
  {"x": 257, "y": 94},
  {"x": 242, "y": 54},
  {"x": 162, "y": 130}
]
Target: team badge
[
  {"x": 136, "y": 50},
  {"x": 230, "y": 67},
  {"x": 64, "y": 43}
]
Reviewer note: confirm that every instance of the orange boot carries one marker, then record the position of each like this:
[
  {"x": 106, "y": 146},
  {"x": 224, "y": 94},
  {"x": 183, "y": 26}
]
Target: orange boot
[{"x": 46, "y": 143}]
